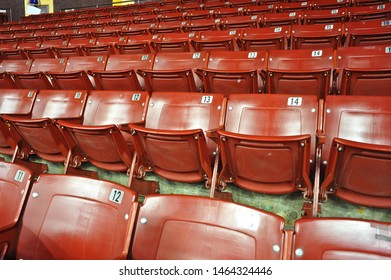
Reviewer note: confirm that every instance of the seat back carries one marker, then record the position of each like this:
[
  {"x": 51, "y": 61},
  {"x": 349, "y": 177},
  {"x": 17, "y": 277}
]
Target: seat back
[
  {"x": 234, "y": 72},
  {"x": 300, "y": 72},
  {"x": 364, "y": 70},
  {"x": 368, "y": 33},
  {"x": 326, "y": 16},
  {"x": 351, "y": 239},
  {"x": 321, "y": 36},
  {"x": 99, "y": 139},
  {"x": 266, "y": 38},
  {"x": 261, "y": 133},
  {"x": 175, "y": 42},
  {"x": 40, "y": 132},
  {"x": 52, "y": 228},
  {"x": 37, "y": 78},
  {"x": 14, "y": 188},
  {"x": 17, "y": 102},
  {"x": 357, "y": 143},
  {"x": 217, "y": 40},
  {"x": 175, "y": 71},
  {"x": 173, "y": 143},
  {"x": 121, "y": 72},
  {"x": 75, "y": 75},
  {"x": 170, "y": 232}
]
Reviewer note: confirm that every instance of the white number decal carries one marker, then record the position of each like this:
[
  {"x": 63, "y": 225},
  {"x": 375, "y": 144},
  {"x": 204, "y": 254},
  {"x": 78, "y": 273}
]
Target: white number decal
[
  {"x": 116, "y": 196},
  {"x": 329, "y": 27},
  {"x": 295, "y": 101},
  {"x": 317, "y": 53},
  {"x": 136, "y": 97},
  {"x": 78, "y": 95},
  {"x": 388, "y": 49},
  {"x": 333, "y": 12},
  {"x": 206, "y": 99},
  {"x": 277, "y": 29},
  {"x": 196, "y": 55},
  {"x": 252, "y": 54},
  {"x": 19, "y": 175}
]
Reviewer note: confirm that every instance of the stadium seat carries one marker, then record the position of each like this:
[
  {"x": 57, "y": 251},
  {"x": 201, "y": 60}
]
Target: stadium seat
[
  {"x": 366, "y": 13},
  {"x": 234, "y": 72},
  {"x": 300, "y": 72},
  {"x": 227, "y": 12},
  {"x": 175, "y": 42},
  {"x": 290, "y": 7},
  {"x": 368, "y": 33},
  {"x": 364, "y": 70},
  {"x": 317, "y": 36},
  {"x": 75, "y": 218},
  {"x": 136, "y": 29},
  {"x": 169, "y": 234},
  {"x": 37, "y": 78},
  {"x": 356, "y": 144},
  {"x": 266, "y": 38},
  {"x": 251, "y": 21},
  {"x": 172, "y": 16},
  {"x": 175, "y": 72},
  {"x": 172, "y": 143},
  {"x": 330, "y": 4},
  {"x": 75, "y": 44},
  {"x": 351, "y": 239},
  {"x": 137, "y": 44},
  {"x": 198, "y": 14},
  {"x": 39, "y": 132},
  {"x": 14, "y": 102},
  {"x": 217, "y": 40},
  {"x": 167, "y": 27},
  {"x": 278, "y": 19},
  {"x": 259, "y": 10},
  {"x": 103, "y": 138},
  {"x": 7, "y": 67},
  {"x": 104, "y": 45},
  {"x": 14, "y": 188},
  {"x": 325, "y": 16},
  {"x": 75, "y": 75},
  {"x": 268, "y": 143},
  {"x": 207, "y": 24},
  {"x": 121, "y": 72}
]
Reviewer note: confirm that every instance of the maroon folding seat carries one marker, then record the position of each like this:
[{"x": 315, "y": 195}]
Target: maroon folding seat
[
  {"x": 330, "y": 4},
  {"x": 266, "y": 38},
  {"x": 168, "y": 234},
  {"x": 325, "y": 16},
  {"x": 368, "y": 33},
  {"x": 29, "y": 43},
  {"x": 54, "y": 41},
  {"x": 198, "y": 14},
  {"x": 208, "y": 24},
  {"x": 175, "y": 72},
  {"x": 268, "y": 143},
  {"x": 244, "y": 3},
  {"x": 217, "y": 40},
  {"x": 7, "y": 67},
  {"x": 104, "y": 45},
  {"x": 14, "y": 188},
  {"x": 136, "y": 29},
  {"x": 191, "y": 7},
  {"x": 76, "y": 75},
  {"x": 278, "y": 19},
  {"x": 167, "y": 27},
  {"x": 259, "y": 10},
  {"x": 137, "y": 44},
  {"x": 363, "y": 70},
  {"x": 145, "y": 19},
  {"x": 36, "y": 78},
  {"x": 121, "y": 72},
  {"x": 215, "y": 4},
  {"x": 367, "y": 2},
  {"x": 175, "y": 42},
  {"x": 251, "y": 21},
  {"x": 366, "y": 13},
  {"x": 370, "y": 239},
  {"x": 228, "y": 12},
  {"x": 317, "y": 36},
  {"x": 290, "y": 7},
  {"x": 166, "y": 9},
  {"x": 300, "y": 72},
  {"x": 173, "y": 16},
  {"x": 75, "y": 44},
  {"x": 39, "y": 132},
  {"x": 172, "y": 143},
  {"x": 234, "y": 72},
  {"x": 14, "y": 102},
  {"x": 52, "y": 230},
  {"x": 103, "y": 137},
  {"x": 356, "y": 150}
]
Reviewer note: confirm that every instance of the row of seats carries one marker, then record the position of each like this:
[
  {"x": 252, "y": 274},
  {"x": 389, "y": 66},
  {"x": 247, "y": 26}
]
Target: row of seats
[
  {"x": 274, "y": 144},
  {"x": 218, "y": 9},
  {"x": 70, "y": 217},
  {"x": 346, "y": 71},
  {"x": 264, "y": 16},
  {"x": 319, "y": 36}
]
